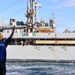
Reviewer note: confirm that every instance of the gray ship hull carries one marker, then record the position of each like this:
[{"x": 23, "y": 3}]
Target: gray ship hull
[{"x": 41, "y": 53}]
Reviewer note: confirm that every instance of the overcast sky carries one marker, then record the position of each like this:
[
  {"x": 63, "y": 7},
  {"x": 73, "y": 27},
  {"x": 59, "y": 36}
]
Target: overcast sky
[{"x": 64, "y": 11}]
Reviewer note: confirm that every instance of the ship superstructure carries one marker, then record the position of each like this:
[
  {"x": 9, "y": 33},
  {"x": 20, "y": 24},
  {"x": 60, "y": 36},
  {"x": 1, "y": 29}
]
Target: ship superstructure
[{"x": 37, "y": 41}]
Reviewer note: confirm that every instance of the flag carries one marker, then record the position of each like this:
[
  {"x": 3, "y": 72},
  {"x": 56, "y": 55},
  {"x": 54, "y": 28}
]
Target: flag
[
  {"x": 27, "y": 34},
  {"x": 33, "y": 34},
  {"x": 23, "y": 34},
  {"x": 30, "y": 34}
]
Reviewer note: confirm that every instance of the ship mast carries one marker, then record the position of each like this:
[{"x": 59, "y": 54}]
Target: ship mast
[
  {"x": 52, "y": 22},
  {"x": 32, "y": 11}
]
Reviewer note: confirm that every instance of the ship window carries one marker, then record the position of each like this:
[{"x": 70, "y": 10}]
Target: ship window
[
  {"x": 7, "y": 31},
  {"x": 16, "y": 31}
]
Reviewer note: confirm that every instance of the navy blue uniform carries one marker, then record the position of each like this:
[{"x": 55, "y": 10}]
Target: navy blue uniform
[{"x": 3, "y": 45}]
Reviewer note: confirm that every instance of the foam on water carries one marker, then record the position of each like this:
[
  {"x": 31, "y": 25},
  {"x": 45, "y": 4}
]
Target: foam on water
[{"x": 39, "y": 68}]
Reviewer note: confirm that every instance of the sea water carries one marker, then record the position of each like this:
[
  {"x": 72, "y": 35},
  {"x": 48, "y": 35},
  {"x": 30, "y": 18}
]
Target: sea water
[{"x": 39, "y": 68}]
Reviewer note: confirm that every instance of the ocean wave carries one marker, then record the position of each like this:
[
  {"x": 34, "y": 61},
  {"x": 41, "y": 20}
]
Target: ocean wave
[{"x": 36, "y": 68}]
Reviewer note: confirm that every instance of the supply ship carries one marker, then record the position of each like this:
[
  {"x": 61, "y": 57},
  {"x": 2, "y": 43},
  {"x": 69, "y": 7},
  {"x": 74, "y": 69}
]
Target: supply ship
[{"x": 38, "y": 41}]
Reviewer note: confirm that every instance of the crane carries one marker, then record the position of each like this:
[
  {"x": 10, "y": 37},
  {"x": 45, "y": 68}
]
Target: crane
[{"x": 32, "y": 11}]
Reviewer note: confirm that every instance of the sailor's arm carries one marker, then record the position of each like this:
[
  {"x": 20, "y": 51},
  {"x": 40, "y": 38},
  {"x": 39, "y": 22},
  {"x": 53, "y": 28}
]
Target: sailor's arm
[
  {"x": 10, "y": 37},
  {"x": 13, "y": 29}
]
